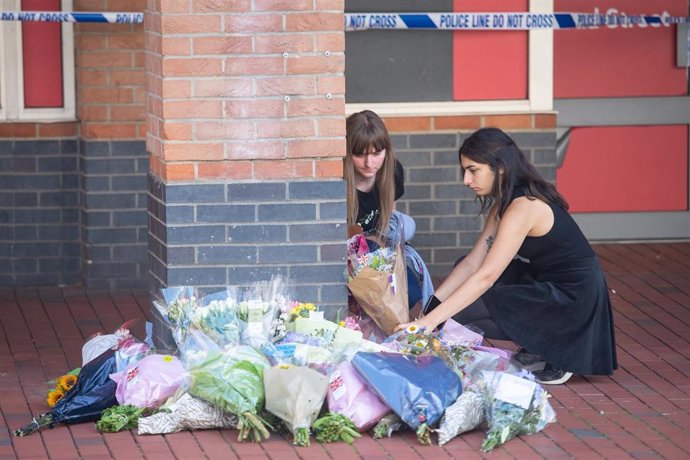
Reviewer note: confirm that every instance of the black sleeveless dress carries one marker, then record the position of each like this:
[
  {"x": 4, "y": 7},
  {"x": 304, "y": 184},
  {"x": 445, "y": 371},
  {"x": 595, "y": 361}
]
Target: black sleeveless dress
[{"x": 557, "y": 305}]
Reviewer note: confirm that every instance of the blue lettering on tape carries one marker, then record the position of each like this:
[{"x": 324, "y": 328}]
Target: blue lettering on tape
[{"x": 454, "y": 21}]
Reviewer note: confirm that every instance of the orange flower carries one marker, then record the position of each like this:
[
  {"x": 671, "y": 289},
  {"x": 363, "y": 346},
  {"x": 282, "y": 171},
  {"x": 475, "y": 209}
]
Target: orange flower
[
  {"x": 66, "y": 382},
  {"x": 54, "y": 396}
]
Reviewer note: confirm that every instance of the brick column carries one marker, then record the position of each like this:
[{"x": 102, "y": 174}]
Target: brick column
[{"x": 246, "y": 124}]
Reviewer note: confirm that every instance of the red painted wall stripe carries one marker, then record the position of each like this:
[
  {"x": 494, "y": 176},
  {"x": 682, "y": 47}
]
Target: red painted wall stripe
[
  {"x": 42, "y": 54},
  {"x": 489, "y": 65},
  {"x": 628, "y": 168},
  {"x": 618, "y": 62}
]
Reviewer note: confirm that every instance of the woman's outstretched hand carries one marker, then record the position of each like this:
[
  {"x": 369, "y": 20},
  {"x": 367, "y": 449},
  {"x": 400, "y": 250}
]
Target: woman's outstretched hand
[{"x": 421, "y": 323}]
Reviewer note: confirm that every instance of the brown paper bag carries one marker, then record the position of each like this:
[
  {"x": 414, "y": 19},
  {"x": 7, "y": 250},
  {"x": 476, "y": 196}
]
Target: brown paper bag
[{"x": 383, "y": 295}]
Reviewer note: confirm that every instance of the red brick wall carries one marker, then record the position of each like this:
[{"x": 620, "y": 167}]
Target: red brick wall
[
  {"x": 470, "y": 122},
  {"x": 247, "y": 90},
  {"x": 110, "y": 74}
]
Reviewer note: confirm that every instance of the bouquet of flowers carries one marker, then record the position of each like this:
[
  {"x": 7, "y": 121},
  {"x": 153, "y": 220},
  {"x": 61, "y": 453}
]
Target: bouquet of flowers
[
  {"x": 98, "y": 343},
  {"x": 349, "y": 395},
  {"x": 334, "y": 336},
  {"x": 92, "y": 393},
  {"x": 300, "y": 350},
  {"x": 150, "y": 381},
  {"x": 295, "y": 395},
  {"x": 465, "y": 414},
  {"x": 417, "y": 388},
  {"x": 378, "y": 282},
  {"x": 416, "y": 341},
  {"x": 388, "y": 424},
  {"x": 470, "y": 364},
  {"x": 515, "y": 404},
  {"x": 300, "y": 310},
  {"x": 61, "y": 385},
  {"x": 176, "y": 306},
  {"x": 186, "y": 413},
  {"x": 233, "y": 382},
  {"x": 118, "y": 418},
  {"x": 335, "y": 427},
  {"x": 218, "y": 319}
]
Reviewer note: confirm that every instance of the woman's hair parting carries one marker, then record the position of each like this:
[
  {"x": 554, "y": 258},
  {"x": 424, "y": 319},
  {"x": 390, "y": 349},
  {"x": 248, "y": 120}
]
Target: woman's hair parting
[{"x": 495, "y": 148}]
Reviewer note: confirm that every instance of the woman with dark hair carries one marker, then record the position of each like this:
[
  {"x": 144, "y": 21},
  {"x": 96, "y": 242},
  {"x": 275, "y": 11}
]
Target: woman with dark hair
[
  {"x": 375, "y": 181},
  {"x": 553, "y": 300}
]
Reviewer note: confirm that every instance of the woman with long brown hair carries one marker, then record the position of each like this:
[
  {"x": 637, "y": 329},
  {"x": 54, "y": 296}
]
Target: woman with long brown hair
[{"x": 374, "y": 182}]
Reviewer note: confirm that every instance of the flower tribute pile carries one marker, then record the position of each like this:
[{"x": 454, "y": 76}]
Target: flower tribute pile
[{"x": 257, "y": 361}]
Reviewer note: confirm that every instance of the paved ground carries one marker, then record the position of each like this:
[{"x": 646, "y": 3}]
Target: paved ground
[{"x": 642, "y": 411}]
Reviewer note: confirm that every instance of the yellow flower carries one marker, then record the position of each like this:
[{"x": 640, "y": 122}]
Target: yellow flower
[
  {"x": 309, "y": 306},
  {"x": 437, "y": 344},
  {"x": 66, "y": 382},
  {"x": 412, "y": 329},
  {"x": 341, "y": 323},
  {"x": 54, "y": 396}
]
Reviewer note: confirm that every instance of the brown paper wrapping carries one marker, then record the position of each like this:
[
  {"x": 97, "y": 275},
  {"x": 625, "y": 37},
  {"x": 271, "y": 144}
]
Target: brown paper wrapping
[{"x": 373, "y": 292}]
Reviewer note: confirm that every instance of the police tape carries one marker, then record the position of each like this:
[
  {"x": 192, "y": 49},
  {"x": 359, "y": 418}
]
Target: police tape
[
  {"x": 503, "y": 21},
  {"x": 431, "y": 21},
  {"x": 61, "y": 16}
]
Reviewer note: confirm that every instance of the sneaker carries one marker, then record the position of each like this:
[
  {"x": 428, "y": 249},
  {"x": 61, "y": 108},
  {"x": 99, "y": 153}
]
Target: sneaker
[
  {"x": 525, "y": 359},
  {"x": 552, "y": 376}
]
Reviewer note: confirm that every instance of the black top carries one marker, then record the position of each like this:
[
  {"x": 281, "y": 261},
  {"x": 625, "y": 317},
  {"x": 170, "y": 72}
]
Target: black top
[
  {"x": 557, "y": 305},
  {"x": 368, "y": 215}
]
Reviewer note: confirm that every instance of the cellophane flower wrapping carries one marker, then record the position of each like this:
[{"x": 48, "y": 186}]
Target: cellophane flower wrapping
[
  {"x": 334, "y": 336},
  {"x": 260, "y": 307},
  {"x": 176, "y": 305},
  {"x": 455, "y": 333},
  {"x": 295, "y": 395},
  {"x": 93, "y": 392},
  {"x": 300, "y": 350},
  {"x": 349, "y": 395},
  {"x": 464, "y": 415},
  {"x": 417, "y": 388},
  {"x": 197, "y": 348},
  {"x": 471, "y": 363},
  {"x": 515, "y": 404},
  {"x": 233, "y": 381},
  {"x": 130, "y": 351},
  {"x": 149, "y": 382},
  {"x": 186, "y": 413},
  {"x": 99, "y": 343},
  {"x": 218, "y": 318}
]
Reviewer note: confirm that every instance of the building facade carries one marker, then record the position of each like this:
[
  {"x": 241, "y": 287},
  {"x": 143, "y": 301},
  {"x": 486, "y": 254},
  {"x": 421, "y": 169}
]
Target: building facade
[{"x": 204, "y": 147}]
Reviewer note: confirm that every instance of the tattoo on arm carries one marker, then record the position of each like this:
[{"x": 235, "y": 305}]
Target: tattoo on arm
[{"x": 489, "y": 242}]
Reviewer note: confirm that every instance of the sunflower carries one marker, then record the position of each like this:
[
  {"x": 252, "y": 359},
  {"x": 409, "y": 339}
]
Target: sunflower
[
  {"x": 66, "y": 382},
  {"x": 54, "y": 396}
]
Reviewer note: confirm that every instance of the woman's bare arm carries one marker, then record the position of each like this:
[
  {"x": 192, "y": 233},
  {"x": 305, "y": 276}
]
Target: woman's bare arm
[
  {"x": 519, "y": 219},
  {"x": 472, "y": 261}
]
